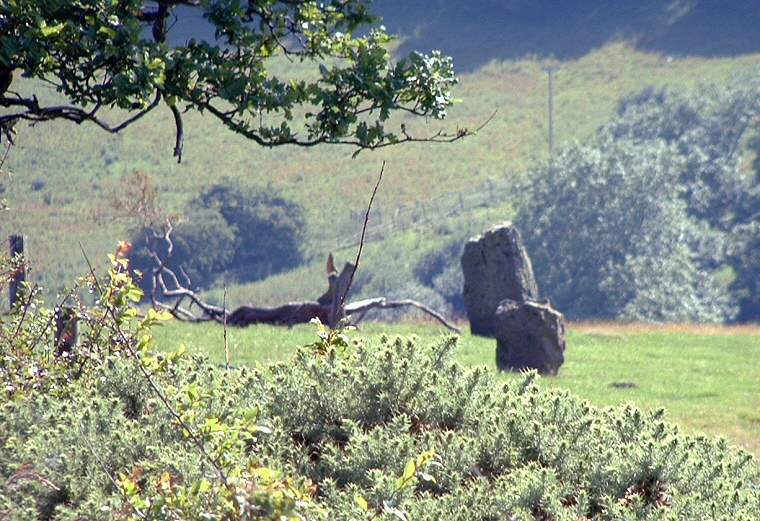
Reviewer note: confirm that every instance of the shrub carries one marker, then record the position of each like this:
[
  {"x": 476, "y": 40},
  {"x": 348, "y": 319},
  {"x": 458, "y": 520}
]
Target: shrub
[
  {"x": 381, "y": 428},
  {"x": 103, "y": 433},
  {"x": 267, "y": 228},
  {"x": 230, "y": 231}
]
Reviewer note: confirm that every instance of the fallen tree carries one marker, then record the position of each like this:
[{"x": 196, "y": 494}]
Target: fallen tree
[
  {"x": 169, "y": 293},
  {"x": 327, "y": 308},
  {"x": 331, "y": 308}
]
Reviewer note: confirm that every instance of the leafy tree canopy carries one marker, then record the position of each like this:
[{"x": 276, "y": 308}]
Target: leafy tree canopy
[
  {"x": 658, "y": 216},
  {"x": 115, "y": 54},
  {"x": 268, "y": 228},
  {"x": 609, "y": 236},
  {"x": 715, "y": 130}
]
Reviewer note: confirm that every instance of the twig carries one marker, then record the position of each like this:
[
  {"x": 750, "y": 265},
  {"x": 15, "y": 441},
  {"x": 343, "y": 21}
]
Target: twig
[
  {"x": 5, "y": 154},
  {"x": 180, "y": 291},
  {"x": 361, "y": 243}
]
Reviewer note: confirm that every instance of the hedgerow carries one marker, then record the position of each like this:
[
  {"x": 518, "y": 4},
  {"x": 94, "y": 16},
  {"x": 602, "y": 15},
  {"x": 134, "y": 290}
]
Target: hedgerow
[{"x": 363, "y": 428}]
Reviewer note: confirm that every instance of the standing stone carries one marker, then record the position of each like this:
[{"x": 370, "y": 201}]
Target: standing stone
[
  {"x": 495, "y": 267},
  {"x": 529, "y": 335}
]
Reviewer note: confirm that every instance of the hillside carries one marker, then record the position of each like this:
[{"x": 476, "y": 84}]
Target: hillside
[
  {"x": 61, "y": 175},
  {"x": 476, "y": 32}
]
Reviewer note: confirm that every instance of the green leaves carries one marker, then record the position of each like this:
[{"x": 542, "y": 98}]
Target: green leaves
[
  {"x": 99, "y": 54},
  {"x": 330, "y": 339},
  {"x": 415, "y": 468},
  {"x": 610, "y": 236},
  {"x": 392, "y": 430}
]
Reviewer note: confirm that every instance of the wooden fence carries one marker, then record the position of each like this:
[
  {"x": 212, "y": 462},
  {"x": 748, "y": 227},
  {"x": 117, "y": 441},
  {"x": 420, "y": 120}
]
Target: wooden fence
[{"x": 386, "y": 221}]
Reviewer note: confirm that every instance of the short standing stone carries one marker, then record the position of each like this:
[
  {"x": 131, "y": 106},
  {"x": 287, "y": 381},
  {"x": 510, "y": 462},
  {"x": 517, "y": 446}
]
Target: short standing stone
[
  {"x": 529, "y": 335},
  {"x": 495, "y": 267}
]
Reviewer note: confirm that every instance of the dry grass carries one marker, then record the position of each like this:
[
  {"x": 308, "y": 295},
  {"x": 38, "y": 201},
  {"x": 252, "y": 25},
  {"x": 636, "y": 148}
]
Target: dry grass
[{"x": 618, "y": 328}]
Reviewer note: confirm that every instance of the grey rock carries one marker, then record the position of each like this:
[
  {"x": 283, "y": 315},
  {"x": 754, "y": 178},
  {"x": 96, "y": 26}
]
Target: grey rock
[
  {"x": 529, "y": 335},
  {"x": 496, "y": 267}
]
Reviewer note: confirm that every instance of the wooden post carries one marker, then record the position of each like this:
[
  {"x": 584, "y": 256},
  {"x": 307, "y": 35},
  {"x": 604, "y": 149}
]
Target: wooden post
[
  {"x": 17, "y": 249},
  {"x": 66, "y": 331}
]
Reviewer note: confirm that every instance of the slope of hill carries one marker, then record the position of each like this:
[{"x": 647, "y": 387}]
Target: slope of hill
[
  {"x": 63, "y": 174},
  {"x": 478, "y": 31}
]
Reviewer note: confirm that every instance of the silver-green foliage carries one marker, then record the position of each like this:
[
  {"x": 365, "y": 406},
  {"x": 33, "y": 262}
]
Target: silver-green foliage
[
  {"x": 350, "y": 421},
  {"x": 381, "y": 428}
]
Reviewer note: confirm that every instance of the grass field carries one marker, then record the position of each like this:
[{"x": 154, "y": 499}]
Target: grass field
[{"x": 706, "y": 377}]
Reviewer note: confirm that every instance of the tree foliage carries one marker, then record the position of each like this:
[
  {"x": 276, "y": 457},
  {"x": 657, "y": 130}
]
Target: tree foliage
[
  {"x": 656, "y": 215},
  {"x": 102, "y": 54},
  {"x": 716, "y": 131},
  {"x": 268, "y": 228},
  {"x": 235, "y": 231},
  {"x": 441, "y": 270}
]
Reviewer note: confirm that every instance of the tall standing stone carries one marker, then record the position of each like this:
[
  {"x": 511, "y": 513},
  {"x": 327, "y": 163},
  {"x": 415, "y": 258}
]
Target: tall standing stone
[{"x": 496, "y": 267}]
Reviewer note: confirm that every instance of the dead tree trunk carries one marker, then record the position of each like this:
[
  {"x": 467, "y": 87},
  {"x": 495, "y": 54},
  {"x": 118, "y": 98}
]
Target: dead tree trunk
[{"x": 330, "y": 308}]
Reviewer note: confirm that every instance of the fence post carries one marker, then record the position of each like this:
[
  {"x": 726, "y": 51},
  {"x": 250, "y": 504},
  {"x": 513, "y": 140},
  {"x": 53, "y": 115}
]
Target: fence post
[{"x": 19, "y": 276}]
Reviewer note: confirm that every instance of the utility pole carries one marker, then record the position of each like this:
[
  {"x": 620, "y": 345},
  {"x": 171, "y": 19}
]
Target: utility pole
[{"x": 550, "y": 69}]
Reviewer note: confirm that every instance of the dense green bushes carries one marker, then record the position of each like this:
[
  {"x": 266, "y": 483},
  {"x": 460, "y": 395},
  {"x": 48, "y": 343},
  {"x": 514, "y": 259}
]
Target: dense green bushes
[
  {"x": 381, "y": 428},
  {"x": 350, "y": 423}
]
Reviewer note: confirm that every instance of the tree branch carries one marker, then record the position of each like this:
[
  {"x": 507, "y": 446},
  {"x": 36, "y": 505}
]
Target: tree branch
[
  {"x": 363, "y": 306},
  {"x": 36, "y": 113},
  {"x": 179, "y": 143}
]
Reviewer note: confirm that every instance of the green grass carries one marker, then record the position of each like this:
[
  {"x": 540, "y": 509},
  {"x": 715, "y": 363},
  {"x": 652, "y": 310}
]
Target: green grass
[{"x": 707, "y": 379}]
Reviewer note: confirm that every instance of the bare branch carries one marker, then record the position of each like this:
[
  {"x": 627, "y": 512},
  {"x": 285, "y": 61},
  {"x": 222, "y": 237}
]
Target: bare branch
[
  {"x": 180, "y": 140},
  {"x": 177, "y": 291},
  {"x": 363, "y": 306},
  {"x": 361, "y": 243},
  {"x": 36, "y": 113}
]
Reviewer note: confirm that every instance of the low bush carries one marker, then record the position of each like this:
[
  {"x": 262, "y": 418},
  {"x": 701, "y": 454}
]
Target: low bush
[{"x": 370, "y": 428}]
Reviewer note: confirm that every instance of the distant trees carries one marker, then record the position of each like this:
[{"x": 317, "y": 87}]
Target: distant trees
[
  {"x": 657, "y": 217},
  {"x": 240, "y": 232},
  {"x": 441, "y": 270},
  {"x": 267, "y": 228}
]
